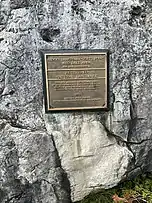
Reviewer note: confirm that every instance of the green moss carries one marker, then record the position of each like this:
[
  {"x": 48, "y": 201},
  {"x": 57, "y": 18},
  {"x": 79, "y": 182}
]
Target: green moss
[
  {"x": 142, "y": 185},
  {"x": 104, "y": 196}
]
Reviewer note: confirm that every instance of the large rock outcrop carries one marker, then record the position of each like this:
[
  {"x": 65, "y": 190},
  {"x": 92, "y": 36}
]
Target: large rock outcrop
[{"x": 57, "y": 158}]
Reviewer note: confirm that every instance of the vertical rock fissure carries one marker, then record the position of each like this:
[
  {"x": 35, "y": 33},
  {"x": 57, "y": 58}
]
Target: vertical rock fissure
[{"x": 133, "y": 119}]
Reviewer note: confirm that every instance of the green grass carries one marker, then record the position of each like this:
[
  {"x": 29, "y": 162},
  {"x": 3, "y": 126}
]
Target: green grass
[{"x": 142, "y": 185}]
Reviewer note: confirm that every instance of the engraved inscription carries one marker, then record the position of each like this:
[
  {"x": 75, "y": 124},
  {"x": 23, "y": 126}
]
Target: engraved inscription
[
  {"x": 76, "y": 74},
  {"x": 76, "y": 81},
  {"x": 77, "y": 85}
]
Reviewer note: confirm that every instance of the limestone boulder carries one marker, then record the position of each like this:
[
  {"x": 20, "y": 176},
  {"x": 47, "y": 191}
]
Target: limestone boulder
[{"x": 56, "y": 158}]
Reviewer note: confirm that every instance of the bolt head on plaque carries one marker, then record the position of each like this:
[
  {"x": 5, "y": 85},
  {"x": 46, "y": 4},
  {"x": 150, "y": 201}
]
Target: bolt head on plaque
[{"x": 75, "y": 80}]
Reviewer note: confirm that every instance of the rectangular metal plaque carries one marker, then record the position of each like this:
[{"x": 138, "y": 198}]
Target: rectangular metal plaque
[{"x": 75, "y": 80}]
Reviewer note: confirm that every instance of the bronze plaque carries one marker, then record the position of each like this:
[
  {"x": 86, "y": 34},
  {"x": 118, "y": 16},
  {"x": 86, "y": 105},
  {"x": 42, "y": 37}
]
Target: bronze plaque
[{"x": 75, "y": 80}]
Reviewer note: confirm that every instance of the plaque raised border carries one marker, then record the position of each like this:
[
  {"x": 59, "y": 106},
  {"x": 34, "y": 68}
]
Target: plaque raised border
[{"x": 63, "y": 53}]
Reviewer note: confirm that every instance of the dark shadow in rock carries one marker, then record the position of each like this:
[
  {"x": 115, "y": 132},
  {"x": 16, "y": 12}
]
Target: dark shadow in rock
[
  {"x": 136, "y": 10},
  {"x": 48, "y": 34},
  {"x": 16, "y": 4},
  {"x": 1, "y": 39},
  {"x": 2, "y": 195},
  {"x": 135, "y": 13}
]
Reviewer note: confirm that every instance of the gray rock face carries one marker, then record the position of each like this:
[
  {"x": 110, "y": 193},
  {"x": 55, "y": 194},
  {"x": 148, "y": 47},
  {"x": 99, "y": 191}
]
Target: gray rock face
[
  {"x": 61, "y": 157},
  {"x": 30, "y": 168},
  {"x": 91, "y": 158}
]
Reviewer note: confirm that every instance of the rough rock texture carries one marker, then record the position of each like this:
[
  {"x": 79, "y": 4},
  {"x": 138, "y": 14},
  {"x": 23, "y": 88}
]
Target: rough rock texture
[
  {"x": 58, "y": 157},
  {"x": 92, "y": 159}
]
